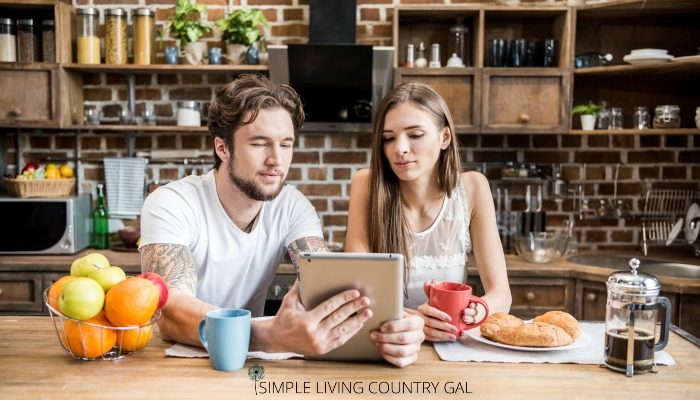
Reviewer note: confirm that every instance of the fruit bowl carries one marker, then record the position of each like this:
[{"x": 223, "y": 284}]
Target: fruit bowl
[
  {"x": 90, "y": 341},
  {"x": 541, "y": 247}
]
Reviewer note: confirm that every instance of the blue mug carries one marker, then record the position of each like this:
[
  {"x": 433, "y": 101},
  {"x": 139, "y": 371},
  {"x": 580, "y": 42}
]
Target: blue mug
[
  {"x": 215, "y": 55},
  {"x": 225, "y": 333},
  {"x": 171, "y": 55}
]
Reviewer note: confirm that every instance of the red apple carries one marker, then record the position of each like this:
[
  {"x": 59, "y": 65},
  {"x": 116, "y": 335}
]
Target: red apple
[
  {"x": 31, "y": 167},
  {"x": 160, "y": 284}
]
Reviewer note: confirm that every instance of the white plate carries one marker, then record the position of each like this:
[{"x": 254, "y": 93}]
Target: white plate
[
  {"x": 675, "y": 231},
  {"x": 692, "y": 234},
  {"x": 582, "y": 340},
  {"x": 648, "y": 52},
  {"x": 657, "y": 59}
]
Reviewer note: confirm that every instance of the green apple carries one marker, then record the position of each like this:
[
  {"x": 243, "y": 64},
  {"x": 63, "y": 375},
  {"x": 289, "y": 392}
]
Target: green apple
[
  {"x": 81, "y": 298},
  {"x": 91, "y": 262},
  {"x": 107, "y": 277}
]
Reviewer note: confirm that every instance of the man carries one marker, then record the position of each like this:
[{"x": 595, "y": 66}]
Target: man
[{"x": 217, "y": 239}]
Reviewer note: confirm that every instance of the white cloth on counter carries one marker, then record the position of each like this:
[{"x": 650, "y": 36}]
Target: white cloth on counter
[
  {"x": 469, "y": 349},
  {"x": 125, "y": 181},
  {"x": 182, "y": 350}
]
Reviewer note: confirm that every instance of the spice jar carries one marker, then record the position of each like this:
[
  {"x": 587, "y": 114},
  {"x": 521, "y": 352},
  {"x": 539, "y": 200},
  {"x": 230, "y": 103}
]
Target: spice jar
[
  {"x": 144, "y": 36},
  {"x": 87, "y": 21},
  {"x": 188, "y": 113},
  {"x": 27, "y": 41},
  {"x": 8, "y": 40},
  {"x": 115, "y": 36},
  {"x": 667, "y": 117},
  {"x": 410, "y": 56},
  {"x": 48, "y": 41}
]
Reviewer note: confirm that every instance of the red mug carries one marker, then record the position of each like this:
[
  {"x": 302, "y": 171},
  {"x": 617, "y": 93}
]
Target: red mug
[{"x": 452, "y": 298}]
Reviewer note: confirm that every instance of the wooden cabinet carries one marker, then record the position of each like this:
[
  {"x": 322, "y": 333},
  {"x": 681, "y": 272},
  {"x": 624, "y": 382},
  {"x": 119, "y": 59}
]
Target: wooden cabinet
[
  {"x": 20, "y": 292},
  {"x": 41, "y": 94},
  {"x": 484, "y": 98},
  {"x": 535, "y": 296}
]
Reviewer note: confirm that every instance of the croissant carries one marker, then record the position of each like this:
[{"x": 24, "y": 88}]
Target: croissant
[
  {"x": 565, "y": 321},
  {"x": 536, "y": 334},
  {"x": 496, "y": 321}
]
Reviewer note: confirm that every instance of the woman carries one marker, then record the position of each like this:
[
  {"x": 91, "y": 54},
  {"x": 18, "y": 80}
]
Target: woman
[{"x": 415, "y": 200}]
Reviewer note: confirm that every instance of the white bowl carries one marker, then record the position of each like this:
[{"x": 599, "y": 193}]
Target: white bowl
[{"x": 648, "y": 53}]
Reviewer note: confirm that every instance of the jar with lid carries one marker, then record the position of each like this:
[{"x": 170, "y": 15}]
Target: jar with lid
[
  {"x": 28, "y": 49},
  {"x": 87, "y": 25},
  {"x": 667, "y": 117},
  {"x": 616, "y": 118},
  {"x": 421, "y": 61},
  {"x": 188, "y": 113},
  {"x": 144, "y": 36},
  {"x": 48, "y": 41},
  {"x": 602, "y": 120},
  {"x": 8, "y": 40},
  {"x": 115, "y": 36}
]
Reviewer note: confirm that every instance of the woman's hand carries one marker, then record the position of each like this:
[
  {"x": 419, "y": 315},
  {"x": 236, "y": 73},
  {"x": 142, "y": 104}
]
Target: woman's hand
[{"x": 437, "y": 326}]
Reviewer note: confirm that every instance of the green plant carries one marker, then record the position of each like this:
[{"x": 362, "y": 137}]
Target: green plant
[
  {"x": 241, "y": 27},
  {"x": 187, "y": 24},
  {"x": 586, "y": 109}
]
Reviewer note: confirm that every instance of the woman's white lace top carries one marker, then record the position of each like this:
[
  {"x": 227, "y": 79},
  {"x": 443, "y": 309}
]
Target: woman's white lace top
[{"x": 442, "y": 249}]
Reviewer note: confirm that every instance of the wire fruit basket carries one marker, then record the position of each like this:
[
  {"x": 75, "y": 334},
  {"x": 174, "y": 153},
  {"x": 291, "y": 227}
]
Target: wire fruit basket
[{"x": 92, "y": 342}]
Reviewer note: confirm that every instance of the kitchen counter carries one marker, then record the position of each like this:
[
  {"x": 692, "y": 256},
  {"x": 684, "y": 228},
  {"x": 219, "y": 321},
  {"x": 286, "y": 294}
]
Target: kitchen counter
[{"x": 35, "y": 366}]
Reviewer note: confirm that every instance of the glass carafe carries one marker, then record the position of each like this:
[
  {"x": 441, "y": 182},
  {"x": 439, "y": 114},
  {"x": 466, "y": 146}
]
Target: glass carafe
[{"x": 631, "y": 319}]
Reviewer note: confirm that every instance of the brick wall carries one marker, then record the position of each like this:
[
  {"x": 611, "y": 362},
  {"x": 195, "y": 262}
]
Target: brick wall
[{"x": 324, "y": 163}]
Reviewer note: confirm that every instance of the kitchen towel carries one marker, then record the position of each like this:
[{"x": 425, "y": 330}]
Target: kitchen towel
[
  {"x": 181, "y": 350},
  {"x": 469, "y": 349},
  {"x": 125, "y": 180}
]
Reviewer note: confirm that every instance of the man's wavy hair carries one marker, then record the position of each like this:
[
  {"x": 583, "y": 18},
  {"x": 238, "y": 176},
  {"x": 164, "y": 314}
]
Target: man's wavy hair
[{"x": 238, "y": 103}]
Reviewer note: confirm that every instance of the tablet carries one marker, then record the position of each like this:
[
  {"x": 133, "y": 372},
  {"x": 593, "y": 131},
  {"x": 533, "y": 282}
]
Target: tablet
[{"x": 377, "y": 276}]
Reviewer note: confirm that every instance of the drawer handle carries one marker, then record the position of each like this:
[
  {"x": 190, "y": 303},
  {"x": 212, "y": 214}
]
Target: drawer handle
[
  {"x": 591, "y": 297},
  {"x": 16, "y": 112},
  {"x": 530, "y": 296},
  {"x": 523, "y": 118}
]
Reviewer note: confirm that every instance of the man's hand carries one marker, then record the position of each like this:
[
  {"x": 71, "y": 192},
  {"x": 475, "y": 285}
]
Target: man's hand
[
  {"x": 399, "y": 341},
  {"x": 316, "y": 331}
]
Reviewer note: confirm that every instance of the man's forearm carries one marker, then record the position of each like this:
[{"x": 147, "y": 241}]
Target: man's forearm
[{"x": 180, "y": 319}]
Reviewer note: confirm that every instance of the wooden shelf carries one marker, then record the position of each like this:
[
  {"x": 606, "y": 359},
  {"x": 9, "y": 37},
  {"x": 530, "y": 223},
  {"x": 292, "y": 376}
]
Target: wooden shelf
[
  {"x": 682, "y": 131},
  {"x": 164, "y": 68},
  {"x": 689, "y": 66},
  {"x": 138, "y": 128}
]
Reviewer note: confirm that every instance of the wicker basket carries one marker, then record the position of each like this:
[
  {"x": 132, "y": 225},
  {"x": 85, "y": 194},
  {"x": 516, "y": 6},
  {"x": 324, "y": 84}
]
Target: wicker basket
[{"x": 60, "y": 187}]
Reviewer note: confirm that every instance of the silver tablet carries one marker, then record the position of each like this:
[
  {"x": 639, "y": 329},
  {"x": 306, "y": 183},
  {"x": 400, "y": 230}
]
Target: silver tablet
[{"x": 377, "y": 276}]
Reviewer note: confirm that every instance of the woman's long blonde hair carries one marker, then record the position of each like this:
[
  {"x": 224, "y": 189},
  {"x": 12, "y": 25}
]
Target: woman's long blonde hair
[{"x": 388, "y": 229}]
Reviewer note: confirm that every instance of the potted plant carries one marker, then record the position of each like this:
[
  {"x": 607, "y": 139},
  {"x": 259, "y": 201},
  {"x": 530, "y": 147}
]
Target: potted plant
[
  {"x": 588, "y": 114},
  {"x": 188, "y": 26},
  {"x": 240, "y": 31}
]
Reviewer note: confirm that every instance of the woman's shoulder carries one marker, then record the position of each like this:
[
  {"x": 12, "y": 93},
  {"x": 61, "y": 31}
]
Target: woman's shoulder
[
  {"x": 473, "y": 180},
  {"x": 361, "y": 175}
]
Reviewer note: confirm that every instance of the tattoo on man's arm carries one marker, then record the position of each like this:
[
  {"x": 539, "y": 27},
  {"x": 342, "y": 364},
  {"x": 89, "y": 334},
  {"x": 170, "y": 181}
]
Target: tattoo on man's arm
[
  {"x": 309, "y": 244},
  {"x": 173, "y": 262}
]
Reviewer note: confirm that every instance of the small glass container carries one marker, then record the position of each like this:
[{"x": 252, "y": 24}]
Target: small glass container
[
  {"x": 640, "y": 119},
  {"x": 115, "y": 36},
  {"x": 188, "y": 113},
  {"x": 435, "y": 56},
  {"x": 458, "y": 42},
  {"x": 28, "y": 49},
  {"x": 8, "y": 40},
  {"x": 410, "y": 56},
  {"x": 87, "y": 26},
  {"x": 616, "y": 118},
  {"x": 667, "y": 117},
  {"x": 421, "y": 61},
  {"x": 48, "y": 41},
  {"x": 144, "y": 36},
  {"x": 602, "y": 120}
]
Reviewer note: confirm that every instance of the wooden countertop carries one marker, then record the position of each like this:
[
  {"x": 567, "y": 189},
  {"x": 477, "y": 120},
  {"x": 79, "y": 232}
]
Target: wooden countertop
[{"x": 35, "y": 366}]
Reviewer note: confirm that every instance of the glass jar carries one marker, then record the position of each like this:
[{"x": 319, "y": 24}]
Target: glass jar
[
  {"x": 87, "y": 25},
  {"x": 640, "y": 120},
  {"x": 458, "y": 42},
  {"x": 8, "y": 40},
  {"x": 115, "y": 36},
  {"x": 48, "y": 41},
  {"x": 144, "y": 36},
  {"x": 616, "y": 119},
  {"x": 667, "y": 117},
  {"x": 188, "y": 113},
  {"x": 28, "y": 49},
  {"x": 602, "y": 120}
]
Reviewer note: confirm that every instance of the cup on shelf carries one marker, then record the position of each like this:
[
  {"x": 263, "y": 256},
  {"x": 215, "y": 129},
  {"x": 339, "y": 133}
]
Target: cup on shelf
[
  {"x": 215, "y": 56},
  {"x": 149, "y": 117},
  {"x": 126, "y": 117},
  {"x": 497, "y": 52},
  {"x": 518, "y": 52},
  {"x": 171, "y": 55},
  {"x": 92, "y": 116}
]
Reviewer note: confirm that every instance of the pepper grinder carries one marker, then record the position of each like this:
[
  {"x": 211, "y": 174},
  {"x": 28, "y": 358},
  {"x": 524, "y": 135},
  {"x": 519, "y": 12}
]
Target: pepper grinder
[
  {"x": 421, "y": 61},
  {"x": 435, "y": 56}
]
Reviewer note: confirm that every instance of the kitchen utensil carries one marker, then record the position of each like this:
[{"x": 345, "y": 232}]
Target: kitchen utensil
[
  {"x": 539, "y": 198},
  {"x": 631, "y": 321},
  {"x": 541, "y": 247},
  {"x": 692, "y": 223},
  {"x": 528, "y": 198}
]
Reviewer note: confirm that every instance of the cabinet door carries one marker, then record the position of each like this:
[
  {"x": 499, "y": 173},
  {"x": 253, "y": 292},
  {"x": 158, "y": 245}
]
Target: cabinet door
[
  {"x": 20, "y": 292},
  {"x": 458, "y": 86},
  {"x": 535, "y": 296},
  {"x": 689, "y": 318},
  {"x": 27, "y": 97},
  {"x": 526, "y": 100}
]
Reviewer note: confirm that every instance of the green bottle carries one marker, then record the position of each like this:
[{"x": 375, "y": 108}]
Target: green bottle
[{"x": 100, "y": 222}]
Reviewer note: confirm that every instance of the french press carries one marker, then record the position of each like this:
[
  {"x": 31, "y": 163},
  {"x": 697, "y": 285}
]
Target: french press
[{"x": 631, "y": 319}]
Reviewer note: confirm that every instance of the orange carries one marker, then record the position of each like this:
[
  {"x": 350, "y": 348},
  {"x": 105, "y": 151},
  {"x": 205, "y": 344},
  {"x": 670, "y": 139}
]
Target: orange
[
  {"x": 55, "y": 290},
  {"x": 131, "y": 302},
  {"x": 53, "y": 173},
  {"x": 66, "y": 171},
  {"x": 134, "y": 339},
  {"x": 89, "y": 341}
]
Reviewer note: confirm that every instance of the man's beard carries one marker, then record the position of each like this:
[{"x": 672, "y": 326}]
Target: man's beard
[{"x": 249, "y": 187}]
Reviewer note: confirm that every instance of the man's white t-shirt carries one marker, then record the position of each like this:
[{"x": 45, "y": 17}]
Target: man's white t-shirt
[{"x": 234, "y": 268}]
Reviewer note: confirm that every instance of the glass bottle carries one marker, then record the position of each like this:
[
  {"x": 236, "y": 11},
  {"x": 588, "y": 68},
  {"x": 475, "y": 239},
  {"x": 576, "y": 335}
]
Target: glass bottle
[
  {"x": 458, "y": 42},
  {"x": 144, "y": 36},
  {"x": 100, "y": 221},
  {"x": 8, "y": 40},
  {"x": 87, "y": 25},
  {"x": 28, "y": 49},
  {"x": 115, "y": 36},
  {"x": 602, "y": 120},
  {"x": 48, "y": 41}
]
